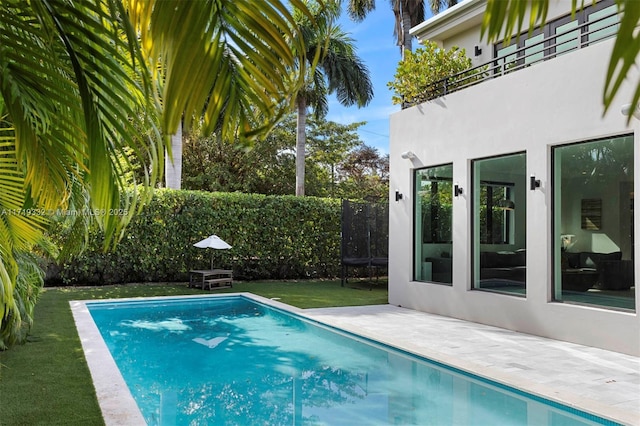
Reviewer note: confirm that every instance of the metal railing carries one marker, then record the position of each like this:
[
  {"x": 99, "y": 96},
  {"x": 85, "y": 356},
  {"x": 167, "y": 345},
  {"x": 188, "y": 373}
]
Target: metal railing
[{"x": 544, "y": 50}]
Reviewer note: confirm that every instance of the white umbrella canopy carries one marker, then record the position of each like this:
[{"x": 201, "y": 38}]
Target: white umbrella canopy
[{"x": 215, "y": 242}]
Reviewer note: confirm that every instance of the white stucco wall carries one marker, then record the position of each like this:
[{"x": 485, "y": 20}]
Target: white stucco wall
[{"x": 550, "y": 103}]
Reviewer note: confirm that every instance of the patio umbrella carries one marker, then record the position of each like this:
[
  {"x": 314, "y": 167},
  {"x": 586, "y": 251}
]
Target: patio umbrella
[{"x": 214, "y": 242}]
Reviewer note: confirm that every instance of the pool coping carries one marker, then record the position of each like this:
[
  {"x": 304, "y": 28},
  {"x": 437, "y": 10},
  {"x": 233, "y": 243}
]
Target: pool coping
[
  {"x": 119, "y": 407},
  {"x": 114, "y": 398}
]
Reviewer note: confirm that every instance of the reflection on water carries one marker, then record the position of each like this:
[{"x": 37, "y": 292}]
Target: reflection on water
[{"x": 232, "y": 361}]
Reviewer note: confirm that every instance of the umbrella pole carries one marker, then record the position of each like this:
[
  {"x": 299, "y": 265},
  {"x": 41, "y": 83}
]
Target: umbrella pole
[{"x": 212, "y": 261}]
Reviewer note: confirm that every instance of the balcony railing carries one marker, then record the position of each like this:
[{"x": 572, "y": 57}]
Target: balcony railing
[{"x": 577, "y": 37}]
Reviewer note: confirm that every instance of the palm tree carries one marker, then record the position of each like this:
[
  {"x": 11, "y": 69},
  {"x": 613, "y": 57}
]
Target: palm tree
[
  {"x": 408, "y": 13},
  {"x": 173, "y": 161},
  {"x": 80, "y": 78},
  {"x": 438, "y": 6},
  {"x": 338, "y": 70}
]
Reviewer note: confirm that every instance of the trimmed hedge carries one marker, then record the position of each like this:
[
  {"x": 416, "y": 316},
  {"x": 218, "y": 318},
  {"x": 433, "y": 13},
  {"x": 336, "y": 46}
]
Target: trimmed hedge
[{"x": 273, "y": 237}]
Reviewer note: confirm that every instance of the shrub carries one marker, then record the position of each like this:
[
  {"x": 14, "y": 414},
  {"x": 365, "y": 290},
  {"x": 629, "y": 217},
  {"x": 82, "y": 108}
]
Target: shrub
[
  {"x": 423, "y": 75},
  {"x": 272, "y": 237}
]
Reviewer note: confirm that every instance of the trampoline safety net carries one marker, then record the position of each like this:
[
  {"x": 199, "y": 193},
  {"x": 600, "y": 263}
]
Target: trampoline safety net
[{"x": 365, "y": 236}]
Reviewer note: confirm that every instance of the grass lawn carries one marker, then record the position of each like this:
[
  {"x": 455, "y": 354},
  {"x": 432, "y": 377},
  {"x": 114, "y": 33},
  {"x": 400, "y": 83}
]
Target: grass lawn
[{"x": 47, "y": 381}]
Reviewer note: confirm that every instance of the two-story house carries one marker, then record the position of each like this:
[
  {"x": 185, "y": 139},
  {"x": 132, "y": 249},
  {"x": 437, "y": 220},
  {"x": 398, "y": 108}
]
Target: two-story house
[{"x": 517, "y": 205}]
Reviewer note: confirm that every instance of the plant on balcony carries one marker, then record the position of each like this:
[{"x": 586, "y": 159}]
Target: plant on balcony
[{"x": 431, "y": 72}]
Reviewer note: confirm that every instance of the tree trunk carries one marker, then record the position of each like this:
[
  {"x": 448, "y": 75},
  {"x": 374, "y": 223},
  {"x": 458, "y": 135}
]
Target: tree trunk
[
  {"x": 406, "y": 26},
  {"x": 301, "y": 141},
  {"x": 173, "y": 166}
]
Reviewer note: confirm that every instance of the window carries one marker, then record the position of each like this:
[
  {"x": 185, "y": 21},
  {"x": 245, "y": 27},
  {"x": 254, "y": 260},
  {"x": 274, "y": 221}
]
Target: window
[
  {"x": 534, "y": 53},
  {"x": 515, "y": 55},
  {"x": 589, "y": 24},
  {"x": 567, "y": 35},
  {"x": 499, "y": 224},
  {"x": 433, "y": 219},
  {"x": 605, "y": 21},
  {"x": 505, "y": 56},
  {"x": 593, "y": 195}
]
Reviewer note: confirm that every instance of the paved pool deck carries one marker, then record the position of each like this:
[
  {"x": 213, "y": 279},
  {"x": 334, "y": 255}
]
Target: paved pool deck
[{"x": 600, "y": 382}]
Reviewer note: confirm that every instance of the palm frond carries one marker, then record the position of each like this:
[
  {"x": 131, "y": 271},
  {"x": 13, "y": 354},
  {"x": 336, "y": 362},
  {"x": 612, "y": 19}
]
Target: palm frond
[
  {"x": 506, "y": 18},
  {"x": 79, "y": 90},
  {"x": 73, "y": 87},
  {"x": 359, "y": 9},
  {"x": 20, "y": 228},
  {"x": 624, "y": 54},
  {"x": 112, "y": 84},
  {"x": 227, "y": 58},
  {"x": 346, "y": 73},
  {"x": 29, "y": 282},
  {"x": 317, "y": 95}
]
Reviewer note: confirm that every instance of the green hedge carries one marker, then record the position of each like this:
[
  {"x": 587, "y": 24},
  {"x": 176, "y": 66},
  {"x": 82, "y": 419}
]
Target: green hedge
[{"x": 273, "y": 237}]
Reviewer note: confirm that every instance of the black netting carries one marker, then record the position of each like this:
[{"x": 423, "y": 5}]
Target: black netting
[
  {"x": 379, "y": 225},
  {"x": 365, "y": 235}
]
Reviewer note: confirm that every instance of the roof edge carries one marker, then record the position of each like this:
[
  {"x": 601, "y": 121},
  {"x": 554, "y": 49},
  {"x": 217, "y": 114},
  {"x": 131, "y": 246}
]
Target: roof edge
[{"x": 443, "y": 22}]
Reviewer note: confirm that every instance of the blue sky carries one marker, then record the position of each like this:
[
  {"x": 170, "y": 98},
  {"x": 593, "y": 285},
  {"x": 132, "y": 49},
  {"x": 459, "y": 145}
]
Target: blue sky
[{"x": 376, "y": 46}]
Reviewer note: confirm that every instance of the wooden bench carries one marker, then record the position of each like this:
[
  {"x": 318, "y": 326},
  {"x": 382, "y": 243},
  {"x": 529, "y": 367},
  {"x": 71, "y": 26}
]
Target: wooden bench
[
  {"x": 219, "y": 283},
  {"x": 213, "y": 278}
]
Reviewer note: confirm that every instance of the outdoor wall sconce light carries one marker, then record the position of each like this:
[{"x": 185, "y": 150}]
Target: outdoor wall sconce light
[
  {"x": 534, "y": 183},
  {"x": 457, "y": 190},
  {"x": 408, "y": 155},
  {"x": 628, "y": 110},
  {"x": 398, "y": 195},
  {"x": 478, "y": 51}
]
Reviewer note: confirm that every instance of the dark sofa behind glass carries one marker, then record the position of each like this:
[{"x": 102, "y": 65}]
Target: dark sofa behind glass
[
  {"x": 612, "y": 272},
  {"x": 506, "y": 266}
]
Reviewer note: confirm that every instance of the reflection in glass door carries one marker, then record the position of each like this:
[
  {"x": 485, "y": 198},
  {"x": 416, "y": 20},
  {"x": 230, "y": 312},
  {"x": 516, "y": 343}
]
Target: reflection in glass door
[
  {"x": 593, "y": 186},
  {"x": 433, "y": 221},
  {"x": 499, "y": 224}
]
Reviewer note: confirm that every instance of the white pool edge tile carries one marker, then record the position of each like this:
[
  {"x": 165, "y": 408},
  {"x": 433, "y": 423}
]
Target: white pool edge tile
[{"x": 116, "y": 402}]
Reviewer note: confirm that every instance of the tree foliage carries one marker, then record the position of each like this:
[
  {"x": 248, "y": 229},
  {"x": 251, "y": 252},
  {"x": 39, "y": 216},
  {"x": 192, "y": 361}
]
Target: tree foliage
[
  {"x": 437, "y": 6},
  {"x": 407, "y": 13},
  {"x": 213, "y": 164},
  {"x": 268, "y": 167},
  {"x": 338, "y": 70},
  {"x": 365, "y": 173},
  {"x": 78, "y": 78},
  {"x": 417, "y": 74}
]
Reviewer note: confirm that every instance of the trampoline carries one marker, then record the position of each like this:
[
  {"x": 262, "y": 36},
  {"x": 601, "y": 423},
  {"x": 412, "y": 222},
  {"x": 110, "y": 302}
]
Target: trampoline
[{"x": 365, "y": 237}]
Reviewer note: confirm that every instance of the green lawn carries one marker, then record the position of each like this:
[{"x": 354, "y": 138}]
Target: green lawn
[{"x": 47, "y": 381}]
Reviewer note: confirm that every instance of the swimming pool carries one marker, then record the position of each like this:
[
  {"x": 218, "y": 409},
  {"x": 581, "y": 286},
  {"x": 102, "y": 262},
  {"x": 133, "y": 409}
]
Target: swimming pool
[{"x": 231, "y": 360}]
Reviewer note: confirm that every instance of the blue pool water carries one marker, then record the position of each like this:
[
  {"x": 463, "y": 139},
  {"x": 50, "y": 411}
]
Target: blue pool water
[{"x": 233, "y": 361}]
